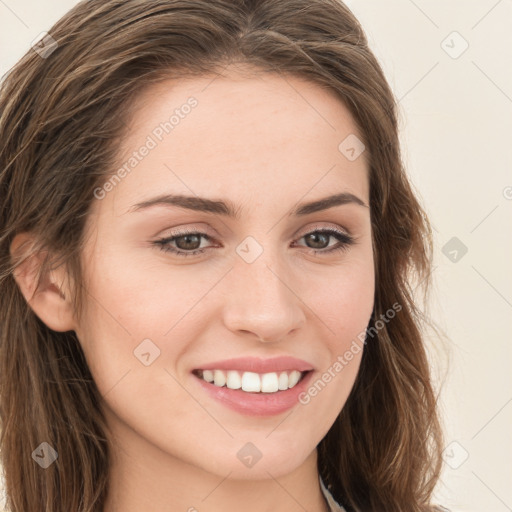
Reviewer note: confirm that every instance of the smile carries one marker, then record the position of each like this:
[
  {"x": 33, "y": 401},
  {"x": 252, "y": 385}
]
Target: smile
[{"x": 252, "y": 382}]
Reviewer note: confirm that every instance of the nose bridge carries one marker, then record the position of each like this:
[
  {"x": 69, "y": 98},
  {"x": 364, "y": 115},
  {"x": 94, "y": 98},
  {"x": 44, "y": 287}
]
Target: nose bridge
[{"x": 261, "y": 299}]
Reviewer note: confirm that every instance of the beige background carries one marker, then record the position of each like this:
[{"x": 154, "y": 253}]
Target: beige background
[{"x": 456, "y": 120}]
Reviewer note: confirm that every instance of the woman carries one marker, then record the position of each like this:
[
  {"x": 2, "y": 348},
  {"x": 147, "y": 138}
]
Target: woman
[{"x": 209, "y": 248}]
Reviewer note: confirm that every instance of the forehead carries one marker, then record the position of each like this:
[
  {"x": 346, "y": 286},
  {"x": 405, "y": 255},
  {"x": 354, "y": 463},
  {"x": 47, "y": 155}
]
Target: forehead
[{"x": 252, "y": 136}]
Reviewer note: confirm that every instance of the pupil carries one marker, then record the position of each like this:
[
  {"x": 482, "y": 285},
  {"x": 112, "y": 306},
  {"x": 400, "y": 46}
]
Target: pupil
[
  {"x": 195, "y": 240},
  {"x": 315, "y": 237}
]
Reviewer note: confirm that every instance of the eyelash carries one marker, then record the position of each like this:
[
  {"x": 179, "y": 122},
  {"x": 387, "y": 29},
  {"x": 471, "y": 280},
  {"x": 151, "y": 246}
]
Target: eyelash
[{"x": 345, "y": 242}]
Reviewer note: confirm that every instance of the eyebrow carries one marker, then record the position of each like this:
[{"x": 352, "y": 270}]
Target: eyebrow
[{"x": 228, "y": 209}]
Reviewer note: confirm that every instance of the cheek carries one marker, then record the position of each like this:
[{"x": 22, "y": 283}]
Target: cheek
[
  {"x": 343, "y": 298},
  {"x": 141, "y": 293},
  {"x": 347, "y": 312},
  {"x": 344, "y": 303},
  {"x": 130, "y": 309}
]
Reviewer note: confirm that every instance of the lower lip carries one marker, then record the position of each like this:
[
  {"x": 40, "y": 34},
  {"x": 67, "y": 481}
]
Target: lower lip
[{"x": 257, "y": 404}]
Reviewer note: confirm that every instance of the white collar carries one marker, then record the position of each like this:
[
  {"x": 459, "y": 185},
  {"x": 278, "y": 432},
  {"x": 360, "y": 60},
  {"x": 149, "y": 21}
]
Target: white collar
[{"x": 333, "y": 505}]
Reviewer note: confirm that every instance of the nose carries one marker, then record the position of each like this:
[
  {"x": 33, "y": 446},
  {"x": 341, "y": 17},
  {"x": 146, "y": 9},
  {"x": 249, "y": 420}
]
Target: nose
[{"x": 262, "y": 302}]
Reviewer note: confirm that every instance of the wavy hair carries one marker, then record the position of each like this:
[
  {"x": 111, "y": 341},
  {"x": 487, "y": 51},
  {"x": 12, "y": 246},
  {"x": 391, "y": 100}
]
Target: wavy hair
[{"x": 62, "y": 117}]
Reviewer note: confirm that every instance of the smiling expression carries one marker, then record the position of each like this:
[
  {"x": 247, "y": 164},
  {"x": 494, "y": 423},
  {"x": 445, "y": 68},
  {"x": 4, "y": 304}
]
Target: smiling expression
[{"x": 267, "y": 269}]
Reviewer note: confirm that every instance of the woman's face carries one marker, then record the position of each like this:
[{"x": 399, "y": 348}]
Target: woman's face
[{"x": 261, "y": 149}]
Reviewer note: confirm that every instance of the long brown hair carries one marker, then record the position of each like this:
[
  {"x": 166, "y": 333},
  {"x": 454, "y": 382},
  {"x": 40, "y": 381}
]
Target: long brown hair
[{"x": 62, "y": 115}]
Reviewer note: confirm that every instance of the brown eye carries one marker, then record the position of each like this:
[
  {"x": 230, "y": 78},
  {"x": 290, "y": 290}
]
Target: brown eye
[
  {"x": 185, "y": 244},
  {"x": 318, "y": 240},
  {"x": 188, "y": 242}
]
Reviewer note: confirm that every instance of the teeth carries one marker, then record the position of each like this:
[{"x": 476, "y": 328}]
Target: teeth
[
  {"x": 294, "y": 378},
  {"x": 219, "y": 378},
  {"x": 269, "y": 383},
  {"x": 233, "y": 380},
  {"x": 283, "y": 381},
  {"x": 208, "y": 375},
  {"x": 252, "y": 382}
]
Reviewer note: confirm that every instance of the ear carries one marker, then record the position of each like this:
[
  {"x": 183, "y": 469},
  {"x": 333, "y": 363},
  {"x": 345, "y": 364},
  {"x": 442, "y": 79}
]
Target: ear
[{"x": 51, "y": 300}]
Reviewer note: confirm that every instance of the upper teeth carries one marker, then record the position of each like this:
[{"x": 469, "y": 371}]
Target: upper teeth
[{"x": 250, "y": 381}]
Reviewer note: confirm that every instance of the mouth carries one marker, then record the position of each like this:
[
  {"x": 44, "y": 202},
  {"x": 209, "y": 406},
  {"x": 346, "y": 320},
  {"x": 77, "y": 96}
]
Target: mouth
[
  {"x": 255, "y": 386},
  {"x": 252, "y": 382}
]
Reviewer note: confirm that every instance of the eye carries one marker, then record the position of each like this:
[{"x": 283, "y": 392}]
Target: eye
[
  {"x": 320, "y": 237},
  {"x": 188, "y": 243}
]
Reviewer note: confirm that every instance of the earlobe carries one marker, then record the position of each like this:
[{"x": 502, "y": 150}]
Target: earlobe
[{"x": 50, "y": 301}]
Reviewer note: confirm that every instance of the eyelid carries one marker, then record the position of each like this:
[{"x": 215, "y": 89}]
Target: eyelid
[
  {"x": 320, "y": 226},
  {"x": 191, "y": 228},
  {"x": 345, "y": 240}
]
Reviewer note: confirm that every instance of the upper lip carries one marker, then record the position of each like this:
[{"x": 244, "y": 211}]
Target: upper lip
[{"x": 259, "y": 365}]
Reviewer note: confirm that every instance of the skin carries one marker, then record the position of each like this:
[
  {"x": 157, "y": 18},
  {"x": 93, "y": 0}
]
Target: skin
[{"x": 265, "y": 142}]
